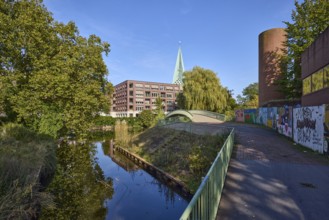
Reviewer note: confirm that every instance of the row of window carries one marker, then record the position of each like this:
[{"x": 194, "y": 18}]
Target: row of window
[
  {"x": 316, "y": 81},
  {"x": 154, "y": 87}
]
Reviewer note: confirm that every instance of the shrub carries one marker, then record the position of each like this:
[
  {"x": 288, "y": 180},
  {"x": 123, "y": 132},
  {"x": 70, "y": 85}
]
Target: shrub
[{"x": 26, "y": 158}]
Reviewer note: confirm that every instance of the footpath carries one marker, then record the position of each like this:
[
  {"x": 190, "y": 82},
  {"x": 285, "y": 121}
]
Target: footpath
[{"x": 270, "y": 177}]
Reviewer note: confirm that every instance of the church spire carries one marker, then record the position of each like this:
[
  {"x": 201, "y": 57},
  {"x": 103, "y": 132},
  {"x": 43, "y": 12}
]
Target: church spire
[{"x": 179, "y": 68}]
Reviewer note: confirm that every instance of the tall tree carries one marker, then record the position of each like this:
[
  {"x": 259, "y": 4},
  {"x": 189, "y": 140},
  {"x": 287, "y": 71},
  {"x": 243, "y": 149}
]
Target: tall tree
[
  {"x": 52, "y": 79},
  {"x": 202, "y": 90},
  {"x": 310, "y": 18},
  {"x": 250, "y": 96}
]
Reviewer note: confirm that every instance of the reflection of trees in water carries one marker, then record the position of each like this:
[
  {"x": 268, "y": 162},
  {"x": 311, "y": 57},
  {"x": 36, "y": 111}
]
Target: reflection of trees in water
[
  {"x": 165, "y": 191},
  {"x": 79, "y": 185}
]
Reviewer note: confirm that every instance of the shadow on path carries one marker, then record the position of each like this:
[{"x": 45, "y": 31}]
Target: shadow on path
[{"x": 270, "y": 178}]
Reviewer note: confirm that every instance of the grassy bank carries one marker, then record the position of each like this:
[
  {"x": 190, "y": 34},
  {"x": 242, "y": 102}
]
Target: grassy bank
[
  {"x": 26, "y": 160},
  {"x": 184, "y": 155}
]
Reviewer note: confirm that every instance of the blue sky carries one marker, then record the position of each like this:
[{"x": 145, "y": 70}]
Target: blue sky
[{"x": 144, "y": 34}]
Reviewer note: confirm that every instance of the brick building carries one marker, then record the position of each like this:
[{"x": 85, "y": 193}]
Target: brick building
[
  {"x": 269, "y": 50},
  {"x": 131, "y": 97},
  {"x": 315, "y": 71}
]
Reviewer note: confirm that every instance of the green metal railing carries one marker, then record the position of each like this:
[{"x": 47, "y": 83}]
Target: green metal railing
[
  {"x": 204, "y": 204},
  {"x": 208, "y": 114}
]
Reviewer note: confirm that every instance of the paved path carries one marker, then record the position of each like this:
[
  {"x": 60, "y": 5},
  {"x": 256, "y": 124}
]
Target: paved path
[{"x": 270, "y": 178}]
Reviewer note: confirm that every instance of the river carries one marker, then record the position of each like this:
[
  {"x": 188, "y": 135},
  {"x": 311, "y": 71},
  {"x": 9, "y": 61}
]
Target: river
[{"x": 108, "y": 187}]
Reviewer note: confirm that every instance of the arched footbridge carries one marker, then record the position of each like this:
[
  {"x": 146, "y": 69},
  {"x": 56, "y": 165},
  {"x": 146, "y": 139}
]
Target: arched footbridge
[{"x": 198, "y": 115}]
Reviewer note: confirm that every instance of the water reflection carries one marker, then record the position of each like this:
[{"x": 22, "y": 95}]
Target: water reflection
[
  {"x": 79, "y": 185},
  {"x": 137, "y": 195},
  {"x": 89, "y": 184}
]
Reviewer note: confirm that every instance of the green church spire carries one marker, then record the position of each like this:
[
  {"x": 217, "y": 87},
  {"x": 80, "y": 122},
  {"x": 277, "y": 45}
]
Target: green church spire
[{"x": 179, "y": 68}]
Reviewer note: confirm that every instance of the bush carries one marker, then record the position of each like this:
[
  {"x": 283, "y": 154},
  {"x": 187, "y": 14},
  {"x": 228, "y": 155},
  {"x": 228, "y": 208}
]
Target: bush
[
  {"x": 26, "y": 158},
  {"x": 104, "y": 120}
]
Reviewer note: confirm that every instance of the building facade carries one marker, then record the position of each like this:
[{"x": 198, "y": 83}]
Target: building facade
[
  {"x": 131, "y": 97},
  {"x": 269, "y": 51},
  {"x": 315, "y": 71}
]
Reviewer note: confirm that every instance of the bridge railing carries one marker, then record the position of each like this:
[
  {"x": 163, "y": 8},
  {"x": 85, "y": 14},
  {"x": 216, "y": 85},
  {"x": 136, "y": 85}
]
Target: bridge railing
[
  {"x": 215, "y": 115},
  {"x": 204, "y": 204}
]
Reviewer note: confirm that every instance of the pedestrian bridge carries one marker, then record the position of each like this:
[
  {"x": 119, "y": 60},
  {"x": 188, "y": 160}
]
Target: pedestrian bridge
[{"x": 198, "y": 115}]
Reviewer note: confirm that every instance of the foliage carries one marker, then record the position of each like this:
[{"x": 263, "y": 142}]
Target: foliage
[
  {"x": 202, "y": 91},
  {"x": 147, "y": 118},
  {"x": 309, "y": 19},
  {"x": 104, "y": 120},
  {"x": 250, "y": 96},
  {"x": 185, "y": 155},
  {"x": 231, "y": 106},
  {"x": 52, "y": 79},
  {"x": 121, "y": 133},
  {"x": 79, "y": 185},
  {"x": 25, "y": 159}
]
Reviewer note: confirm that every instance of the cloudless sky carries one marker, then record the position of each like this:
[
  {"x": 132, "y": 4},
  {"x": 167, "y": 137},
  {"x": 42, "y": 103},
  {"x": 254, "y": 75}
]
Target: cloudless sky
[{"x": 221, "y": 35}]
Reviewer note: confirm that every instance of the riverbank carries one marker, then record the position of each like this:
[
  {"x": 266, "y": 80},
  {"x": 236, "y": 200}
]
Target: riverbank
[
  {"x": 27, "y": 162},
  {"x": 184, "y": 155}
]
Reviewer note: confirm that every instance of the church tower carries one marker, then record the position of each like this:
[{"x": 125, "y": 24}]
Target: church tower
[{"x": 179, "y": 68}]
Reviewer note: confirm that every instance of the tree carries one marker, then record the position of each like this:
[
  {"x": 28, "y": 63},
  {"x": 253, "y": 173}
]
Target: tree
[
  {"x": 310, "y": 18},
  {"x": 250, "y": 96},
  {"x": 202, "y": 90},
  {"x": 52, "y": 79},
  {"x": 147, "y": 118},
  {"x": 231, "y": 105}
]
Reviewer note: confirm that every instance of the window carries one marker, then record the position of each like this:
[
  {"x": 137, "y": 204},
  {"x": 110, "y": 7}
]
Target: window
[
  {"x": 163, "y": 95},
  {"x": 155, "y": 87},
  {"x": 154, "y": 94},
  {"x": 307, "y": 85},
  {"x": 139, "y": 108},
  {"x": 131, "y": 85},
  {"x": 131, "y": 93},
  {"x": 169, "y": 88},
  {"x": 317, "y": 80},
  {"x": 147, "y": 94},
  {"x": 169, "y": 95},
  {"x": 140, "y": 101},
  {"x": 138, "y": 85},
  {"x": 326, "y": 77},
  {"x": 139, "y": 93},
  {"x": 162, "y": 87}
]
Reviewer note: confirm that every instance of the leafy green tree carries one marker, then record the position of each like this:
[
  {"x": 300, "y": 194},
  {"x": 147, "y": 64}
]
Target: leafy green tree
[
  {"x": 309, "y": 19},
  {"x": 52, "y": 79},
  {"x": 231, "y": 105},
  {"x": 202, "y": 90},
  {"x": 250, "y": 96},
  {"x": 147, "y": 118}
]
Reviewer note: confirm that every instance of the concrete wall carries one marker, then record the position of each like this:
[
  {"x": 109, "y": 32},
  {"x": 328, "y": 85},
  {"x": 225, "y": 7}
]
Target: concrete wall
[
  {"x": 284, "y": 124},
  {"x": 308, "y": 126}
]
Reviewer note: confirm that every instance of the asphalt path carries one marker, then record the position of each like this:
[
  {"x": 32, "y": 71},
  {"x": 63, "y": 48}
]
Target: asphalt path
[{"x": 270, "y": 177}]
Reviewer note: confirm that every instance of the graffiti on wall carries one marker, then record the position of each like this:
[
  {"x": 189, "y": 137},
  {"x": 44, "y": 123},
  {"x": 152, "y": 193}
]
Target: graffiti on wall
[
  {"x": 239, "y": 116},
  {"x": 272, "y": 117},
  {"x": 250, "y": 116},
  {"x": 326, "y": 130},
  {"x": 284, "y": 124},
  {"x": 308, "y": 127},
  {"x": 261, "y": 116}
]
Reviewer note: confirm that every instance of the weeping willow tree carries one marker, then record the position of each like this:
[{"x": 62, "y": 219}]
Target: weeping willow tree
[{"x": 202, "y": 90}]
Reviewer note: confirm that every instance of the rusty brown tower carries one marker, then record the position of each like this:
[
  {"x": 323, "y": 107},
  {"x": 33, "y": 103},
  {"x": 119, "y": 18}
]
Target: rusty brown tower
[{"x": 270, "y": 48}]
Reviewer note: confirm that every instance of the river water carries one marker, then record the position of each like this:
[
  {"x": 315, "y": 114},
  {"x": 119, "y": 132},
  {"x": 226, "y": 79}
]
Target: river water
[{"x": 108, "y": 187}]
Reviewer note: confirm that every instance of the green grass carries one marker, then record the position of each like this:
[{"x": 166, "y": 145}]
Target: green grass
[
  {"x": 184, "y": 155},
  {"x": 26, "y": 158}
]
